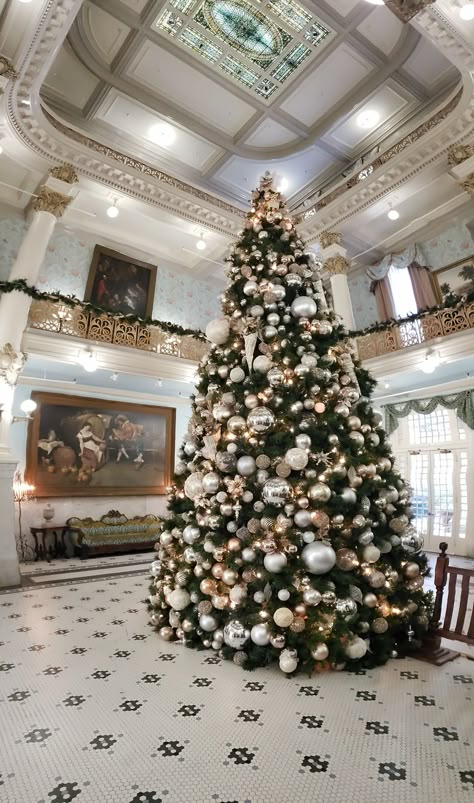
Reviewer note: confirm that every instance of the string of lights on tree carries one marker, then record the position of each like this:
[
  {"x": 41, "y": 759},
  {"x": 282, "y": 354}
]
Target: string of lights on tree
[{"x": 288, "y": 534}]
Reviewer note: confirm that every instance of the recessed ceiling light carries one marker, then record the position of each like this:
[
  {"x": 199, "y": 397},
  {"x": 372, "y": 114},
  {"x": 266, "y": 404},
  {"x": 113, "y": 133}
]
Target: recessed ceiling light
[
  {"x": 393, "y": 214},
  {"x": 368, "y": 118},
  {"x": 162, "y": 134},
  {"x": 467, "y": 12},
  {"x": 112, "y": 211},
  {"x": 376, "y": 2},
  {"x": 201, "y": 244}
]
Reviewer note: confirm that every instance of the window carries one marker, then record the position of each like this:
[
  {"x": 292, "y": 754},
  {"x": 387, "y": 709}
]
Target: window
[
  {"x": 435, "y": 453},
  {"x": 402, "y": 292}
]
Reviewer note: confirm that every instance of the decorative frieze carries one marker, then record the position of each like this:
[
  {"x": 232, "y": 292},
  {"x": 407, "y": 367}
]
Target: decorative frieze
[
  {"x": 405, "y": 10},
  {"x": 64, "y": 172},
  {"x": 11, "y": 364}
]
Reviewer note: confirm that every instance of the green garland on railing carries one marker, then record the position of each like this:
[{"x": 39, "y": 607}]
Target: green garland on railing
[
  {"x": 21, "y": 286},
  {"x": 451, "y": 300}
]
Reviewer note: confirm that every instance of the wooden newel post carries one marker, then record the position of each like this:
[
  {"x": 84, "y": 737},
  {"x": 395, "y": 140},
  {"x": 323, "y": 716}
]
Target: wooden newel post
[
  {"x": 440, "y": 579},
  {"x": 431, "y": 649}
]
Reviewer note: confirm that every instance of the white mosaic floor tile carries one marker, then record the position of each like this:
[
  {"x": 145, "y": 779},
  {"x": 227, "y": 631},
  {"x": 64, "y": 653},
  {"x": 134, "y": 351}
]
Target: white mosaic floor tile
[{"x": 95, "y": 708}]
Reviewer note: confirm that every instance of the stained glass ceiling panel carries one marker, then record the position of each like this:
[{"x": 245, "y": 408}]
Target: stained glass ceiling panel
[{"x": 258, "y": 44}]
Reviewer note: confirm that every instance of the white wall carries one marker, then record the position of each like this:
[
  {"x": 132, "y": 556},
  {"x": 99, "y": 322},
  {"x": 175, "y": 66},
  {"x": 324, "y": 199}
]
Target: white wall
[{"x": 93, "y": 506}]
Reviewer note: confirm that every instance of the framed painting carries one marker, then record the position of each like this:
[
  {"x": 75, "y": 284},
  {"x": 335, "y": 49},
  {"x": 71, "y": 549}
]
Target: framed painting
[
  {"x": 118, "y": 283},
  {"x": 92, "y": 447},
  {"x": 450, "y": 275}
]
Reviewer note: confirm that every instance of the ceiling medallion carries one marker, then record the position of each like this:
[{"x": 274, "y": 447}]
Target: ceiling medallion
[{"x": 244, "y": 28}]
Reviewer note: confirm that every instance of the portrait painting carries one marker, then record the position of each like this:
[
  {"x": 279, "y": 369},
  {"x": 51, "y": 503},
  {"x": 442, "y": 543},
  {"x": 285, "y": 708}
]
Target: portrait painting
[
  {"x": 118, "y": 283},
  {"x": 451, "y": 274},
  {"x": 92, "y": 447}
]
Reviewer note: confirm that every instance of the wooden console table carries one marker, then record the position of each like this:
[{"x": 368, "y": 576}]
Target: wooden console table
[{"x": 55, "y": 550}]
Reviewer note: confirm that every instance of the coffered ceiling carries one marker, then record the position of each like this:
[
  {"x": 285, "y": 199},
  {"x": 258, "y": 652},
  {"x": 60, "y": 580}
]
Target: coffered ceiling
[{"x": 218, "y": 91}]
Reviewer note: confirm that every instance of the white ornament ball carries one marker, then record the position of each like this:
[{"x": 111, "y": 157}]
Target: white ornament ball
[
  {"x": 217, "y": 331},
  {"x": 283, "y": 617},
  {"x": 248, "y": 554},
  {"x": 210, "y": 482},
  {"x": 275, "y": 562},
  {"x": 288, "y": 661},
  {"x": 303, "y": 307},
  {"x": 191, "y": 533},
  {"x": 356, "y": 648},
  {"x": 302, "y": 518},
  {"x": 262, "y": 364},
  {"x": 296, "y": 458},
  {"x": 260, "y": 635},
  {"x": 179, "y": 599},
  {"x": 320, "y": 652},
  {"x": 283, "y": 594},
  {"x": 246, "y": 465},
  {"x": 237, "y": 374},
  {"x": 208, "y": 622},
  {"x": 371, "y": 553}
]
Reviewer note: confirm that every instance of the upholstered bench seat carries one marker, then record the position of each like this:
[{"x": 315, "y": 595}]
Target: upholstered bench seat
[{"x": 114, "y": 532}]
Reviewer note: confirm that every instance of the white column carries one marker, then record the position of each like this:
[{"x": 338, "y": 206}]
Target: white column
[
  {"x": 337, "y": 264},
  {"x": 53, "y": 198}
]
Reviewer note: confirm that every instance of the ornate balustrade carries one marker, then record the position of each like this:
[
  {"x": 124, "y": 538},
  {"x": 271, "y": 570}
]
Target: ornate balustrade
[
  {"x": 426, "y": 327},
  {"x": 52, "y": 316}
]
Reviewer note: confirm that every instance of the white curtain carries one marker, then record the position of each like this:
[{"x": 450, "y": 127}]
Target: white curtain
[{"x": 402, "y": 260}]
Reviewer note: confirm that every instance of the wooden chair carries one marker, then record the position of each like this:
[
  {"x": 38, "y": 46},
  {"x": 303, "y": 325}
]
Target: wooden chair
[{"x": 457, "y": 602}]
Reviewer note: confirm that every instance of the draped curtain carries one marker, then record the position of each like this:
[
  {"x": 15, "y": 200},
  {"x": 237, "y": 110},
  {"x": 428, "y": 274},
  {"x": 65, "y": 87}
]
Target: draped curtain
[
  {"x": 462, "y": 402},
  {"x": 421, "y": 279}
]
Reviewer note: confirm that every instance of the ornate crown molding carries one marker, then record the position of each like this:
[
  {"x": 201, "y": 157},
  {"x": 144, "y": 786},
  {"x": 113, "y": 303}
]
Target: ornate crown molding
[
  {"x": 11, "y": 364},
  {"x": 64, "y": 173},
  {"x": 459, "y": 153},
  {"x": 468, "y": 185},
  {"x": 51, "y": 201},
  {"x": 337, "y": 264},
  {"x": 405, "y": 10}
]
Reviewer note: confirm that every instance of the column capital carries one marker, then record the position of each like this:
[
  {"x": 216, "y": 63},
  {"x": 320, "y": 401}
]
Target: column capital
[
  {"x": 327, "y": 238},
  {"x": 337, "y": 264},
  {"x": 468, "y": 184},
  {"x": 11, "y": 364},
  {"x": 405, "y": 10},
  {"x": 49, "y": 200},
  {"x": 64, "y": 172}
]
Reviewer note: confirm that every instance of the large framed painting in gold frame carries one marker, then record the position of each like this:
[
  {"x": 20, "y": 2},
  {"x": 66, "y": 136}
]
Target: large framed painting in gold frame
[
  {"x": 118, "y": 283},
  {"x": 450, "y": 275},
  {"x": 79, "y": 446}
]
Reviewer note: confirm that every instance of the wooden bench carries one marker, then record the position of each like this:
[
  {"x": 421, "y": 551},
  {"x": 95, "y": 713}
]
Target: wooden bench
[{"x": 452, "y": 618}]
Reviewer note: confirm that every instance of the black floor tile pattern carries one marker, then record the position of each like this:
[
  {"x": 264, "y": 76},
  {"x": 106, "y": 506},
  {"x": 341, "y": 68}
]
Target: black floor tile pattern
[{"x": 94, "y": 708}]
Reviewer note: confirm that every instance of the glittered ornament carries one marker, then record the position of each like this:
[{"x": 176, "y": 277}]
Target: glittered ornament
[
  {"x": 311, "y": 596},
  {"x": 296, "y": 458},
  {"x": 179, "y": 599},
  {"x": 377, "y": 579},
  {"x": 346, "y": 559},
  {"x": 237, "y": 374},
  {"x": 283, "y": 617},
  {"x": 217, "y": 331},
  {"x": 226, "y": 462},
  {"x": 193, "y": 485},
  {"x": 380, "y": 625},
  {"x": 246, "y": 465}
]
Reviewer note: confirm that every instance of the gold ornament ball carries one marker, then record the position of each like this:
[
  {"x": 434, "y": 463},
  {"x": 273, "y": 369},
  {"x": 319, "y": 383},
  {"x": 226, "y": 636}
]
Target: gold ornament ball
[
  {"x": 370, "y": 600},
  {"x": 220, "y": 602},
  {"x": 207, "y": 586},
  {"x": 218, "y": 570},
  {"x": 380, "y": 625},
  {"x": 166, "y": 633},
  {"x": 346, "y": 559},
  {"x": 234, "y": 545},
  {"x": 411, "y": 570},
  {"x": 416, "y": 584},
  {"x": 297, "y": 625},
  {"x": 300, "y": 609},
  {"x": 283, "y": 617},
  {"x": 377, "y": 579}
]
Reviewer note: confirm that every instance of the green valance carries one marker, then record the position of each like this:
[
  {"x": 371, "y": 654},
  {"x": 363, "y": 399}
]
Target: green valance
[{"x": 462, "y": 402}]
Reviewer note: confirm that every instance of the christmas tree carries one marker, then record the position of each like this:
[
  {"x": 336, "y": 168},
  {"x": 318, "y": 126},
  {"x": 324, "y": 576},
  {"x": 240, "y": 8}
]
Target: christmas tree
[{"x": 288, "y": 533}]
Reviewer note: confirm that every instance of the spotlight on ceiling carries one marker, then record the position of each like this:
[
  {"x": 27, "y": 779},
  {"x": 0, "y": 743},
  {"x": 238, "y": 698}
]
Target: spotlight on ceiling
[
  {"x": 162, "y": 134},
  {"x": 393, "y": 214},
  {"x": 201, "y": 244},
  {"x": 431, "y": 362},
  {"x": 368, "y": 118},
  {"x": 112, "y": 211},
  {"x": 467, "y": 12},
  {"x": 88, "y": 360}
]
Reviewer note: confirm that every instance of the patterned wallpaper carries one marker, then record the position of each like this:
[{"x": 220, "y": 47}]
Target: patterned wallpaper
[
  {"x": 178, "y": 298},
  {"x": 363, "y": 301}
]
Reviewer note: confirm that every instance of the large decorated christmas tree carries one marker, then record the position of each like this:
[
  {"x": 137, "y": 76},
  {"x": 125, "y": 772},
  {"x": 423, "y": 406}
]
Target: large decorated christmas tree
[{"x": 288, "y": 534}]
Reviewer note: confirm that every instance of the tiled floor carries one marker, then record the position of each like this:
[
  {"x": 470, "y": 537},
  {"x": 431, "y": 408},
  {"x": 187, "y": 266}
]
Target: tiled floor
[{"x": 94, "y": 707}]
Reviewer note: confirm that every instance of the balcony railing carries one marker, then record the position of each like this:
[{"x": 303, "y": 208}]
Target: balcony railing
[
  {"x": 422, "y": 329},
  {"x": 50, "y": 316}
]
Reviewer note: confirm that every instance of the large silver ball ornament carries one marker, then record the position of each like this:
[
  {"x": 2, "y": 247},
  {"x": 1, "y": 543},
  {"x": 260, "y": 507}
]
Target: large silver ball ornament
[
  {"x": 349, "y": 496},
  {"x": 318, "y": 558},
  {"x": 311, "y": 596},
  {"x": 356, "y": 648},
  {"x": 210, "y": 482},
  {"x": 370, "y": 600},
  {"x": 236, "y": 424},
  {"x": 237, "y": 374},
  {"x": 302, "y": 518},
  {"x": 251, "y": 401},
  {"x": 275, "y": 377},
  {"x": 193, "y": 485},
  {"x": 320, "y": 652},
  {"x": 226, "y": 462},
  {"x": 357, "y": 438},
  {"x": 235, "y": 634},
  {"x": 260, "y": 635},
  {"x": 303, "y": 307},
  {"x": 260, "y": 419},
  {"x": 319, "y": 492},
  {"x": 275, "y": 562},
  {"x": 411, "y": 542},
  {"x": 303, "y": 441},
  {"x": 246, "y": 465},
  {"x": 262, "y": 364},
  {"x": 208, "y": 623},
  {"x": 191, "y": 533},
  {"x": 276, "y": 491},
  {"x": 346, "y": 607},
  {"x": 250, "y": 288}
]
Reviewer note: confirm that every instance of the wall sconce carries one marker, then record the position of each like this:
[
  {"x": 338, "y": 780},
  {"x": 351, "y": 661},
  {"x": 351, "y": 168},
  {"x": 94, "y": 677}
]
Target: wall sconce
[{"x": 28, "y": 407}]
